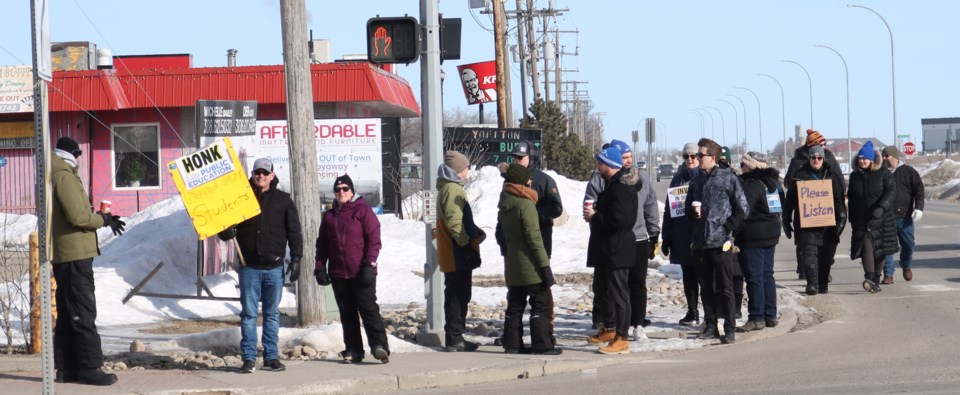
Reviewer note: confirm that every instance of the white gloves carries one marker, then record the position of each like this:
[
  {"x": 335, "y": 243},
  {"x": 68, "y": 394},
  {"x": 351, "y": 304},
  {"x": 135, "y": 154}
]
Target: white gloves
[{"x": 917, "y": 214}]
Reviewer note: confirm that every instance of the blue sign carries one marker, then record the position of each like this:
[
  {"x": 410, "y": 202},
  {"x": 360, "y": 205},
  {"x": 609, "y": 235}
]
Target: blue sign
[{"x": 3, "y": 161}]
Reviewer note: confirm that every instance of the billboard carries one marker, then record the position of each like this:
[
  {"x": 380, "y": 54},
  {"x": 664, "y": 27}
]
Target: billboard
[
  {"x": 479, "y": 82},
  {"x": 488, "y": 146},
  {"x": 16, "y": 89},
  {"x": 223, "y": 118}
]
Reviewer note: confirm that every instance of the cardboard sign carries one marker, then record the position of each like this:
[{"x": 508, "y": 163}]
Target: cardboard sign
[
  {"x": 675, "y": 198},
  {"x": 214, "y": 188},
  {"x": 816, "y": 203}
]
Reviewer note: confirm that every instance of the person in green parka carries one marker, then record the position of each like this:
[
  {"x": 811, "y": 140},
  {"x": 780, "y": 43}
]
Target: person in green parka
[{"x": 527, "y": 267}]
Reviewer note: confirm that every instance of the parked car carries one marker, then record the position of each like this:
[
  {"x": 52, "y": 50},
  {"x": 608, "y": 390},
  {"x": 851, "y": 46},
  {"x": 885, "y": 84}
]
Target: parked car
[
  {"x": 665, "y": 170},
  {"x": 642, "y": 164}
]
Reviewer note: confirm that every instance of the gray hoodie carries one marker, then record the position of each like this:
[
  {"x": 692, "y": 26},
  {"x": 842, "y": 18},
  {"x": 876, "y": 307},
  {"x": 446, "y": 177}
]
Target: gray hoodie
[{"x": 648, "y": 213}]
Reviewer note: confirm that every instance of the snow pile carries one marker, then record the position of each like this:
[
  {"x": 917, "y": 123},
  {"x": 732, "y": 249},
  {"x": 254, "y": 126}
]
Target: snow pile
[{"x": 942, "y": 179}]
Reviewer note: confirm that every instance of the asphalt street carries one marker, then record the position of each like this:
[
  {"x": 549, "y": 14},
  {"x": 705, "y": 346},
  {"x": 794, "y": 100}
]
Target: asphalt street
[{"x": 903, "y": 339}]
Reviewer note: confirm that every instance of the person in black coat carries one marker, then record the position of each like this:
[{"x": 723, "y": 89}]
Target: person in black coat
[
  {"x": 612, "y": 248},
  {"x": 907, "y": 208},
  {"x": 815, "y": 245},
  {"x": 677, "y": 232},
  {"x": 871, "y": 195},
  {"x": 758, "y": 238}
]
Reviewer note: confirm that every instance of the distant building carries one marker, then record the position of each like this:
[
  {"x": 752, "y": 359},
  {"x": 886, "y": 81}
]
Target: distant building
[
  {"x": 839, "y": 146},
  {"x": 940, "y": 134}
]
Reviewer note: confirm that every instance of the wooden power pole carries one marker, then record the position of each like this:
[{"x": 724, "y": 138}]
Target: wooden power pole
[
  {"x": 532, "y": 46},
  {"x": 311, "y": 301}
]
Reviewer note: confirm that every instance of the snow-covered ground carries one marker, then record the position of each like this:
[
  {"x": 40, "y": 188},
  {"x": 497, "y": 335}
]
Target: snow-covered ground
[{"x": 163, "y": 232}]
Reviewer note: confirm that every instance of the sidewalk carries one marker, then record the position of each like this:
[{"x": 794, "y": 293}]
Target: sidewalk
[{"x": 406, "y": 371}]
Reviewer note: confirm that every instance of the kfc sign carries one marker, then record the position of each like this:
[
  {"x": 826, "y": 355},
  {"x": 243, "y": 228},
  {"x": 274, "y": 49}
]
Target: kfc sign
[{"x": 479, "y": 82}]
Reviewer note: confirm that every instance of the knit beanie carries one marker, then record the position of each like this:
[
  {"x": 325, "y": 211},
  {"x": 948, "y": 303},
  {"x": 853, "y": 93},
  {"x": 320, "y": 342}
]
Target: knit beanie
[
  {"x": 754, "y": 160},
  {"x": 622, "y": 146},
  {"x": 815, "y": 151},
  {"x": 517, "y": 174},
  {"x": 690, "y": 149},
  {"x": 69, "y": 145},
  {"x": 610, "y": 157},
  {"x": 343, "y": 180},
  {"x": 725, "y": 154},
  {"x": 457, "y": 161},
  {"x": 814, "y": 138},
  {"x": 891, "y": 150},
  {"x": 866, "y": 151}
]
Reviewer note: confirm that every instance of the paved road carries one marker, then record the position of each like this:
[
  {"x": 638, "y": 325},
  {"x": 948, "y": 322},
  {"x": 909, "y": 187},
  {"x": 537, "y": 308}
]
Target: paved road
[{"x": 904, "y": 339}]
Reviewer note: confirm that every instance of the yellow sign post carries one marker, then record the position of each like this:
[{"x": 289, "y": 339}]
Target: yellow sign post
[
  {"x": 816, "y": 203},
  {"x": 214, "y": 188}
]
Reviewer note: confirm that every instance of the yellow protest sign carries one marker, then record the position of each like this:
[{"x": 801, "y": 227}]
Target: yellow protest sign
[
  {"x": 816, "y": 203},
  {"x": 214, "y": 188}
]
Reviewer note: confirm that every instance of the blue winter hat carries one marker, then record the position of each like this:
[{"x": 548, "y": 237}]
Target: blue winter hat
[
  {"x": 866, "y": 151},
  {"x": 610, "y": 157},
  {"x": 622, "y": 146}
]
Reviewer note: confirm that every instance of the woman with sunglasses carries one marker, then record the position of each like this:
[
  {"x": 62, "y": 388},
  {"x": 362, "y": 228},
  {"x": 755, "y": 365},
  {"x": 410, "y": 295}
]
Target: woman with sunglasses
[
  {"x": 872, "y": 192},
  {"x": 677, "y": 235},
  {"x": 348, "y": 246},
  {"x": 816, "y": 246}
]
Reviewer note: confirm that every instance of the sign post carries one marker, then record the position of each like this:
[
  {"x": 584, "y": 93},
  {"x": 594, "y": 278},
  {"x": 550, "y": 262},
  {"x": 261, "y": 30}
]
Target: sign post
[{"x": 909, "y": 149}]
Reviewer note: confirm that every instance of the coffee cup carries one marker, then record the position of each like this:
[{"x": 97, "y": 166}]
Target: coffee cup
[{"x": 696, "y": 208}]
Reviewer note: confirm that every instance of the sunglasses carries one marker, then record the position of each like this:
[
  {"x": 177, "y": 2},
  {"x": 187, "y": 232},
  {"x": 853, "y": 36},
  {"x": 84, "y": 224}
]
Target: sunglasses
[
  {"x": 340, "y": 189},
  {"x": 701, "y": 154},
  {"x": 261, "y": 172},
  {"x": 816, "y": 158},
  {"x": 689, "y": 157}
]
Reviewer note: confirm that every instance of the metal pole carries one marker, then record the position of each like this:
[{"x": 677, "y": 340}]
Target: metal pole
[
  {"x": 810, "y": 81},
  {"x": 521, "y": 49},
  {"x": 846, "y": 73},
  {"x": 723, "y": 124},
  {"x": 736, "y": 125},
  {"x": 783, "y": 112},
  {"x": 713, "y": 130},
  {"x": 701, "y": 121},
  {"x": 432, "y": 116},
  {"x": 744, "y": 117},
  {"x": 759, "y": 115},
  {"x": 893, "y": 73},
  {"x": 664, "y": 135}
]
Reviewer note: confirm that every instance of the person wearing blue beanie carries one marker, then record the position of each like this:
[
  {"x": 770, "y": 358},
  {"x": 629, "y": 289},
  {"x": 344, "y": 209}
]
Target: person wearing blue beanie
[
  {"x": 867, "y": 152},
  {"x": 611, "y": 157},
  {"x": 622, "y": 146}
]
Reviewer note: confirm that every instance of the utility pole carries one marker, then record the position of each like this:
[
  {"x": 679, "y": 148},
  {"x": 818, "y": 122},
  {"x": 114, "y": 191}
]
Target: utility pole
[
  {"x": 532, "y": 45},
  {"x": 546, "y": 53},
  {"x": 311, "y": 302},
  {"x": 504, "y": 107},
  {"x": 557, "y": 51},
  {"x": 523, "y": 57}
]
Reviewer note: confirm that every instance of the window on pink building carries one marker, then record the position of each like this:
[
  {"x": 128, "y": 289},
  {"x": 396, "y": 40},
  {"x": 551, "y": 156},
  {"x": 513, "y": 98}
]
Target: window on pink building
[{"x": 136, "y": 156}]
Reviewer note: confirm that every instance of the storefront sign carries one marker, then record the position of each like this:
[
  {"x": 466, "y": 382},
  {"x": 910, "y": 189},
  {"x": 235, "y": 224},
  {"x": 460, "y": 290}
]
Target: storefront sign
[
  {"x": 222, "y": 118},
  {"x": 16, "y": 135},
  {"x": 816, "y": 203},
  {"x": 16, "y": 89},
  {"x": 214, "y": 188},
  {"x": 488, "y": 146}
]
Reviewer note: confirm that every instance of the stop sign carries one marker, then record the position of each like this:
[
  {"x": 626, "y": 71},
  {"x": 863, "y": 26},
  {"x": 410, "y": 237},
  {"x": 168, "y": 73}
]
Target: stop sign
[{"x": 909, "y": 148}]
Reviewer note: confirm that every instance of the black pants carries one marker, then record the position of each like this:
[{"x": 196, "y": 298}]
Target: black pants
[
  {"x": 457, "y": 291},
  {"x": 76, "y": 343},
  {"x": 816, "y": 263},
  {"x": 638, "y": 284},
  {"x": 596, "y": 286},
  {"x": 517, "y": 297},
  {"x": 691, "y": 287},
  {"x": 357, "y": 302},
  {"x": 615, "y": 303},
  {"x": 715, "y": 271}
]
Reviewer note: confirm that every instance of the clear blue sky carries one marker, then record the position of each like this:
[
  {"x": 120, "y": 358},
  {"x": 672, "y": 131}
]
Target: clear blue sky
[{"x": 642, "y": 59}]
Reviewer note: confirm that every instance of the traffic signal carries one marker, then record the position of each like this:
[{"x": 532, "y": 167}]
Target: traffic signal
[{"x": 393, "y": 40}]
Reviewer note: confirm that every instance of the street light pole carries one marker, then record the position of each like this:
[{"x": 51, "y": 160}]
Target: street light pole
[
  {"x": 663, "y": 134},
  {"x": 846, "y": 73},
  {"x": 810, "y": 80},
  {"x": 723, "y": 124},
  {"x": 893, "y": 73},
  {"x": 713, "y": 130},
  {"x": 736, "y": 124},
  {"x": 701, "y": 121},
  {"x": 783, "y": 112},
  {"x": 744, "y": 118},
  {"x": 759, "y": 115}
]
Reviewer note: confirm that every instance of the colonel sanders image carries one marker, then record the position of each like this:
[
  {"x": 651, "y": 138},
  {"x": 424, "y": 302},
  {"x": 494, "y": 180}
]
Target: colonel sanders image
[{"x": 472, "y": 85}]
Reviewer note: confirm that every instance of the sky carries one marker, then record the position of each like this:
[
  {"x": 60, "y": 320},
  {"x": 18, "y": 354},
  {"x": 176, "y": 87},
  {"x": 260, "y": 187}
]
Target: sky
[{"x": 640, "y": 59}]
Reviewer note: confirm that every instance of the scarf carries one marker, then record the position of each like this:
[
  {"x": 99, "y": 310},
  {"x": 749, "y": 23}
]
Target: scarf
[{"x": 521, "y": 191}]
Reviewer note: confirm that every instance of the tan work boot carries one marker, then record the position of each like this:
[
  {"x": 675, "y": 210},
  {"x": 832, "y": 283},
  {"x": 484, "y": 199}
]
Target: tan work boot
[
  {"x": 603, "y": 336},
  {"x": 619, "y": 345}
]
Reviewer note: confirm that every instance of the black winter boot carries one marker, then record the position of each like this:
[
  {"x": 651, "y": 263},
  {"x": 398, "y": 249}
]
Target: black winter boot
[
  {"x": 870, "y": 283},
  {"x": 96, "y": 377}
]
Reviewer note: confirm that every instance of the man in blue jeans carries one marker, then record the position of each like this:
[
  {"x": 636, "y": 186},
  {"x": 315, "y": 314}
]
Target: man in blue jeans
[
  {"x": 263, "y": 242},
  {"x": 908, "y": 209}
]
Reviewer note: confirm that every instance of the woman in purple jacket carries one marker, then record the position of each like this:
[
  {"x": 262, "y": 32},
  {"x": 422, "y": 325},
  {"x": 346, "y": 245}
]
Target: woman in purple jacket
[{"x": 349, "y": 240}]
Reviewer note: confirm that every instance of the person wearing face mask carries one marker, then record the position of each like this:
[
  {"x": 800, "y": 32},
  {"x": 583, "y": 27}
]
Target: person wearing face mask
[
  {"x": 871, "y": 197},
  {"x": 348, "y": 245},
  {"x": 77, "y": 354},
  {"x": 908, "y": 209},
  {"x": 263, "y": 241},
  {"x": 677, "y": 236}
]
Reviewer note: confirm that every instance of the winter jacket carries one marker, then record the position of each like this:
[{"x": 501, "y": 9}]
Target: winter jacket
[
  {"x": 455, "y": 226},
  {"x": 594, "y": 186},
  {"x": 821, "y": 235},
  {"x": 549, "y": 205},
  {"x": 678, "y": 232},
  {"x": 724, "y": 207},
  {"x": 73, "y": 225},
  {"x": 801, "y": 156},
  {"x": 648, "y": 213},
  {"x": 521, "y": 230},
  {"x": 870, "y": 189},
  {"x": 612, "y": 242},
  {"x": 761, "y": 229},
  {"x": 349, "y": 238},
  {"x": 263, "y": 239},
  {"x": 909, "y": 191}
]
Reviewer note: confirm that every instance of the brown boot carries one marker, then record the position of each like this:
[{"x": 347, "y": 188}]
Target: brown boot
[
  {"x": 619, "y": 345},
  {"x": 604, "y": 335},
  {"x": 887, "y": 280},
  {"x": 908, "y": 274}
]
